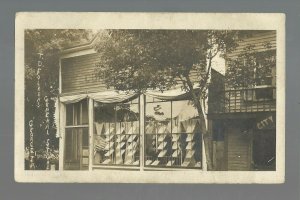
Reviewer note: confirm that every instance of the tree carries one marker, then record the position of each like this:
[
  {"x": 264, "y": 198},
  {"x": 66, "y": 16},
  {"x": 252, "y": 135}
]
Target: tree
[
  {"x": 160, "y": 59},
  {"x": 251, "y": 67},
  {"x": 49, "y": 43}
]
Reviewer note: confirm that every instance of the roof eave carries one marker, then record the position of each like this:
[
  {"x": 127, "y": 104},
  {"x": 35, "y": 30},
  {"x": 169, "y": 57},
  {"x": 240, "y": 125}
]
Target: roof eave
[{"x": 81, "y": 47}]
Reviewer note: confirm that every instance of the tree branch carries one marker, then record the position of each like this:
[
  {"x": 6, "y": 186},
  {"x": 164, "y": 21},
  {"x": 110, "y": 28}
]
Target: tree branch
[{"x": 196, "y": 99}]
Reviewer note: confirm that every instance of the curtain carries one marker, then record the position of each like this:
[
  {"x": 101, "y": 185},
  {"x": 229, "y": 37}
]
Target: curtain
[
  {"x": 73, "y": 98},
  {"x": 102, "y": 97},
  {"x": 120, "y": 96},
  {"x": 179, "y": 94},
  {"x": 112, "y": 96},
  {"x": 173, "y": 94}
]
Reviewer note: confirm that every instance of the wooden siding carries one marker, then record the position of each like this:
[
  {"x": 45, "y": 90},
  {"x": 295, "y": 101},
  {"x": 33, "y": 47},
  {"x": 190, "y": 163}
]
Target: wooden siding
[
  {"x": 78, "y": 75},
  {"x": 258, "y": 40},
  {"x": 224, "y": 99},
  {"x": 245, "y": 100}
]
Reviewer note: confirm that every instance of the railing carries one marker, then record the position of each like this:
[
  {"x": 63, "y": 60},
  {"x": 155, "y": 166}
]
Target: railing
[{"x": 258, "y": 99}]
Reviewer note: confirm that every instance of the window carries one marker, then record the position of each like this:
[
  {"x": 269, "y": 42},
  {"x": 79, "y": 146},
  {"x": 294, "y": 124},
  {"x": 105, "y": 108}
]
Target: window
[
  {"x": 171, "y": 130},
  {"x": 264, "y": 71},
  {"x": 172, "y": 134},
  {"x": 76, "y": 137},
  {"x": 116, "y": 134},
  {"x": 264, "y": 78},
  {"x": 260, "y": 93}
]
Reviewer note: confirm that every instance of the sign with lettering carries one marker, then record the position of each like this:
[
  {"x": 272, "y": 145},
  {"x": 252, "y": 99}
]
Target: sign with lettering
[
  {"x": 38, "y": 105},
  {"x": 266, "y": 122},
  {"x": 31, "y": 147},
  {"x": 38, "y": 76},
  {"x": 47, "y": 117}
]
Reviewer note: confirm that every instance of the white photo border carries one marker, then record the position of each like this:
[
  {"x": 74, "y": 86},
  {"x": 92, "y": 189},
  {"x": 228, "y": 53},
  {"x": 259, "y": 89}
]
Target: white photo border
[{"x": 93, "y": 20}]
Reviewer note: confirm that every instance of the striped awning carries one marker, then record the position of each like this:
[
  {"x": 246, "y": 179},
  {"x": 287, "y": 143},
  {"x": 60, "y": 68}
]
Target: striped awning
[
  {"x": 101, "y": 97},
  {"x": 172, "y": 94},
  {"x": 112, "y": 96},
  {"x": 73, "y": 98},
  {"x": 121, "y": 96}
]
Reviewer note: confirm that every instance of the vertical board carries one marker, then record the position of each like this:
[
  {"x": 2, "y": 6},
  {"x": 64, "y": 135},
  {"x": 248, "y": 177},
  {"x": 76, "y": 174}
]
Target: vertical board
[{"x": 238, "y": 153}]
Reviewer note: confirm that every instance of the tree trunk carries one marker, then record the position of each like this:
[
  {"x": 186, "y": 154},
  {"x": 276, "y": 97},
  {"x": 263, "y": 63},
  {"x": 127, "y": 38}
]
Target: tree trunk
[{"x": 205, "y": 136}]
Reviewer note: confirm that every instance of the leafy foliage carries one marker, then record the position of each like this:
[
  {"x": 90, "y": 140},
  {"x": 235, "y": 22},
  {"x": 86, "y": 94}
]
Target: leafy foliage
[
  {"x": 49, "y": 43},
  {"x": 158, "y": 59},
  {"x": 251, "y": 67},
  {"x": 161, "y": 59}
]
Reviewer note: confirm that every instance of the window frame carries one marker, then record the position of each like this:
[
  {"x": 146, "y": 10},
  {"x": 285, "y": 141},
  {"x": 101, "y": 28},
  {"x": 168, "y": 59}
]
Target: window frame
[
  {"x": 169, "y": 168},
  {"x": 257, "y": 87},
  {"x": 142, "y": 136},
  {"x": 117, "y": 166},
  {"x": 76, "y": 126}
]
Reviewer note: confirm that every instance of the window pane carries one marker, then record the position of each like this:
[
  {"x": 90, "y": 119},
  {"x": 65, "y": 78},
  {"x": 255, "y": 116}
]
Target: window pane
[
  {"x": 182, "y": 112},
  {"x": 85, "y": 138},
  {"x": 76, "y": 149},
  {"x": 158, "y": 145},
  {"x": 159, "y": 112},
  {"x": 104, "y": 112},
  {"x": 77, "y": 113},
  {"x": 85, "y": 149},
  {"x": 264, "y": 93},
  {"x": 187, "y": 139},
  {"x": 173, "y": 137},
  {"x": 116, "y": 134},
  {"x": 77, "y": 116},
  {"x": 84, "y": 112},
  {"x": 68, "y": 146},
  {"x": 69, "y": 114}
]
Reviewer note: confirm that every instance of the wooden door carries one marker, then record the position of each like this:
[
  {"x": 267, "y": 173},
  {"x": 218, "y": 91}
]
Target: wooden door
[
  {"x": 76, "y": 149},
  {"x": 238, "y": 150}
]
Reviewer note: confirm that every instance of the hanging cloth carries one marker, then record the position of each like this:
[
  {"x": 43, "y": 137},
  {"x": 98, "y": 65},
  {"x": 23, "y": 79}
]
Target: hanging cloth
[
  {"x": 113, "y": 96},
  {"x": 179, "y": 94},
  {"x": 73, "y": 98},
  {"x": 168, "y": 95},
  {"x": 102, "y": 97}
]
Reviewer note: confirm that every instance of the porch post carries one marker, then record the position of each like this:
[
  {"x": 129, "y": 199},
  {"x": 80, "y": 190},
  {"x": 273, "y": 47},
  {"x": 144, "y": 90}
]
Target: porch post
[
  {"x": 91, "y": 130},
  {"x": 142, "y": 134},
  {"x": 62, "y": 114}
]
